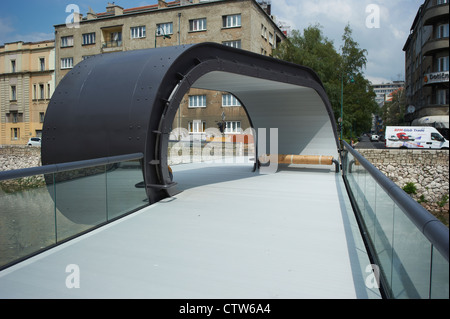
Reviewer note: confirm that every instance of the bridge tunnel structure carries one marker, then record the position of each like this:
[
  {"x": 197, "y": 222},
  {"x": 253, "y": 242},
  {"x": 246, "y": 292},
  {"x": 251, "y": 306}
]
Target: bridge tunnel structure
[{"x": 125, "y": 102}]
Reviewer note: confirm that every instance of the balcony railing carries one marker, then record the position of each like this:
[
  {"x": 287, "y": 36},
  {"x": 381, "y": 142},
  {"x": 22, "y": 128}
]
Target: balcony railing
[
  {"x": 112, "y": 44},
  {"x": 408, "y": 244},
  {"x": 42, "y": 207}
]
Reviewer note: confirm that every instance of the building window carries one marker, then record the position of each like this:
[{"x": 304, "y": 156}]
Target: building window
[
  {"x": 197, "y": 25},
  {"x": 233, "y": 127},
  {"x": 138, "y": 32},
  {"x": 41, "y": 91},
  {"x": 442, "y": 31},
  {"x": 230, "y": 100},
  {"x": 66, "y": 63},
  {"x": 13, "y": 66},
  {"x": 442, "y": 97},
  {"x": 49, "y": 91},
  {"x": 442, "y": 64},
  {"x": 271, "y": 38},
  {"x": 233, "y": 44},
  {"x": 197, "y": 101},
  {"x": 13, "y": 93},
  {"x": 42, "y": 64},
  {"x": 231, "y": 21},
  {"x": 41, "y": 117},
  {"x": 197, "y": 126},
  {"x": 67, "y": 41},
  {"x": 441, "y": 2},
  {"x": 164, "y": 28},
  {"x": 15, "y": 134},
  {"x": 263, "y": 31},
  {"x": 88, "y": 38},
  {"x": 34, "y": 92}
]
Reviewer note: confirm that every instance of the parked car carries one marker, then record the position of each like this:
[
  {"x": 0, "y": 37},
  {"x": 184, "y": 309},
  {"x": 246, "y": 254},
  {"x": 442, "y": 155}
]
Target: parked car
[
  {"x": 374, "y": 138},
  {"x": 34, "y": 141}
]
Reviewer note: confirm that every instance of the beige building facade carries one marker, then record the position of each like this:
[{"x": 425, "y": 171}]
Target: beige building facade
[
  {"x": 245, "y": 24},
  {"x": 27, "y": 82}
]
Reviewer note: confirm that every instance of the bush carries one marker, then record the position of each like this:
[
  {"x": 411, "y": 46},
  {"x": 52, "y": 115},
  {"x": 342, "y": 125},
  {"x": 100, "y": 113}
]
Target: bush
[{"x": 410, "y": 188}]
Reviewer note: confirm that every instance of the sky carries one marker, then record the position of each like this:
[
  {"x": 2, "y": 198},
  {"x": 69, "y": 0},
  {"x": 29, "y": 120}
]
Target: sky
[{"x": 379, "y": 26}]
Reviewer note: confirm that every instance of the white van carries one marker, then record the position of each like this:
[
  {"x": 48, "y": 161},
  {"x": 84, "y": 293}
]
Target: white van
[{"x": 414, "y": 137}]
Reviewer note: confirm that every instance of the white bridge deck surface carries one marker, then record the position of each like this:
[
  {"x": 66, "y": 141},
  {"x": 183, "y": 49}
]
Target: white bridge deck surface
[{"x": 231, "y": 233}]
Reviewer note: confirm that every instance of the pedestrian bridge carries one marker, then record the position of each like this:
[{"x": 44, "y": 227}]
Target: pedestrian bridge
[{"x": 106, "y": 212}]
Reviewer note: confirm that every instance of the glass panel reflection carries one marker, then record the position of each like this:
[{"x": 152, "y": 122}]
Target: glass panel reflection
[
  {"x": 27, "y": 222},
  {"x": 80, "y": 200},
  {"x": 125, "y": 188}
]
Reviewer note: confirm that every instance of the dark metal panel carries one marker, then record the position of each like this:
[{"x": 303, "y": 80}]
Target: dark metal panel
[{"x": 125, "y": 102}]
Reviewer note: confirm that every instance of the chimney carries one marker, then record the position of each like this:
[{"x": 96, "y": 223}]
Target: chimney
[
  {"x": 162, "y": 4},
  {"x": 114, "y": 9},
  {"x": 91, "y": 14}
]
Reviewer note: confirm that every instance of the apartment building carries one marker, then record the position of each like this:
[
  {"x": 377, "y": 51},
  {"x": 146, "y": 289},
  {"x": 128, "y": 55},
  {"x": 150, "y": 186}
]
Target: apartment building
[
  {"x": 27, "y": 82},
  {"x": 245, "y": 24},
  {"x": 384, "y": 91},
  {"x": 427, "y": 66}
]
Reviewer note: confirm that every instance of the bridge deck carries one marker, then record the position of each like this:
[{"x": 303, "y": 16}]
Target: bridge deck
[{"x": 231, "y": 233}]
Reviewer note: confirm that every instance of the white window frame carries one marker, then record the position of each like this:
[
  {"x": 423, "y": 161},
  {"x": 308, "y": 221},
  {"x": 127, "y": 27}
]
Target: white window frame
[
  {"x": 442, "y": 31},
  {"x": 231, "y": 21},
  {"x": 229, "y": 100},
  {"x": 441, "y": 97},
  {"x": 66, "y": 63},
  {"x": 88, "y": 38},
  {"x": 443, "y": 64},
  {"x": 197, "y": 127},
  {"x": 166, "y": 28},
  {"x": 233, "y": 127},
  {"x": 138, "y": 32},
  {"x": 197, "y": 101},
  {"x": 196, "y": 25},
  {"x": 67, "y": 41},
  {"x": 234, "y": 44}
]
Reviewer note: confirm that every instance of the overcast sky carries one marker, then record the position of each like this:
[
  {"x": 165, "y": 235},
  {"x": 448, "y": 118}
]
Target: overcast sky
[{"x": 379, "y": 26}]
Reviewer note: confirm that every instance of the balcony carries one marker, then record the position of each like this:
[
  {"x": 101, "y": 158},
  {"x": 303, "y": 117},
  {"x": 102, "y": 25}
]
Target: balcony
[
  {"x": 435, "y": 14},
  {"x": 434, "y": 45},
  {"x": 111, "y": 46}
]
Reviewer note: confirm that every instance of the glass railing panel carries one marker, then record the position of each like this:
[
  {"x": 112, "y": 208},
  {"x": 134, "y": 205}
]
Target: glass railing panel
[
  {"x": 439, "y": 276},
  {"x": 394, "y": 228},
  {"x": 80, "y": 197},
  {"x": 411, "y": 259},
  {"x": 125, "y": 185},
  {"x": 382, "y": 238},
  {"x": 27, "y": 220}
]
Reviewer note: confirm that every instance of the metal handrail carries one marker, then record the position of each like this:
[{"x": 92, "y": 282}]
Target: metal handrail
[
  {"x": 57, "y": 168},
  {"x": 436, "y": 232}
]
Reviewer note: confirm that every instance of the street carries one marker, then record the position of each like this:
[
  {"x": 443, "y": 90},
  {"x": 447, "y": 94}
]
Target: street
[{"x": 365, "y": 143}]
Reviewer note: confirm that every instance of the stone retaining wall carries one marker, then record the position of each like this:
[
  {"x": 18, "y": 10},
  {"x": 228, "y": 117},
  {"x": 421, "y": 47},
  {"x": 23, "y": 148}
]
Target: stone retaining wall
[
  {"x": 17, "y": 157},
  {"x": 427, "y": 169}
]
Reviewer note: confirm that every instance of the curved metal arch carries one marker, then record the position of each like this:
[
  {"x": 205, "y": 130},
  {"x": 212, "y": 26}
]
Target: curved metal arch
[{"x": 121, "y": 103}]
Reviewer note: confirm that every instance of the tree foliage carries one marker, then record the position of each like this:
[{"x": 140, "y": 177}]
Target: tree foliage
[
  {"x": 393, "y": 112},
  {"x": 338, "y": 71}
]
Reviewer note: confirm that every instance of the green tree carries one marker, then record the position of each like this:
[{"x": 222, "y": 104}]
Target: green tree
[
  {"x": 314, "y": 50},
  {"x": 393, "y": 112}
]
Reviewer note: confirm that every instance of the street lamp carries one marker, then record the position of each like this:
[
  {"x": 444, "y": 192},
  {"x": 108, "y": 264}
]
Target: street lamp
[{"x": 165, "y": 36}]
